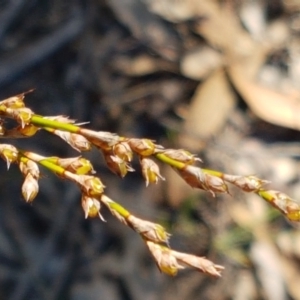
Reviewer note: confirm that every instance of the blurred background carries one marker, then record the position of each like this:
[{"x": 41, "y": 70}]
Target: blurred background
[{"x": 219, "y": 78}]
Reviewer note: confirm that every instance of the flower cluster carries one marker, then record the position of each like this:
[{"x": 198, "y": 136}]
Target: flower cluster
[{"x": 118, "y": 153}]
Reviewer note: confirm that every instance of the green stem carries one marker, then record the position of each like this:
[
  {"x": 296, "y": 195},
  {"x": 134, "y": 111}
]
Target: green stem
[
  {"x": 23, "y": 158},
  {"x": 116, "y": 206},
  {"x": 48, "y": 164},
  {"x": 52, "y": 167},
  {"x": 171, "y": 162},
  {"x": 44, "y": 122},
  {"x": 265, "y": 195},
  {"x": 213, "y": 173},
  {"x": 179, "y": 165}
]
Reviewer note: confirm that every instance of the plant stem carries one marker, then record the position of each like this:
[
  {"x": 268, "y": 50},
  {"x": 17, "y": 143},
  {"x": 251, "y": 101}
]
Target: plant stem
[
  {"x": 44, "y": 122},
  {"x": 45, "y": 162},
  {"x": 171, "y": 162}
]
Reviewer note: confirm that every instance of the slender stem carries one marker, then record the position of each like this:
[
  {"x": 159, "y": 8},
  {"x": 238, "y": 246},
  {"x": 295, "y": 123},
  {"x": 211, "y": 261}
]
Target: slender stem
[
  {"x": 23, "y": 158},
  {"x": 171, "y": 162},
  {"x": 213, "y": 173},
  {"x": 45, "y": 162},
  {"x": 265, "y": 195},
  {"x": 52, "y": 167},
  {"x": 179, "y": 165},
  {"x": 116, "y": 206},
  {"x": 44, "y": 122}
]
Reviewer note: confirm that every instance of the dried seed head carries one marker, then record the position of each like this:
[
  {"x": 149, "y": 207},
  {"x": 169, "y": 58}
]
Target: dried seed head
[
  {"x": 9, "y": 153},
  {"x": 196, "y": 178},
  {"x": 165, "y": 260},
  {"x": 14, "y": 102},
  {"x": 76, "y": 141},
  {"x": 293, "y": 211},
  {"x": 90, "y": 185},
  {"x": 27, "y": 130},
  {"x": 181, "y": 155},
  {"x": 288, "y": 206},
  {"x": 91, "y": 207},
  {"x": 193, "y": 176},
  {"x": 143, "y": 147},
  {"x": 93, "y": 186},
  {"x": 148, "y": 230},
  {"x": 116, "y": 164},
  {"x": 101, "y": 139},
  {"x": 215, "y": 184},
  {"x": 30, "y": 188},
  {"x": 246, "y": 183},
  {"x": 21, "y": 115},
  {"x": 29, "y": 167},
  {"x": 150, "y": 170},
  {"x": 83, "y": 166},
  {"x": 77, "y": 165},
  {"x": 2, "y": 128},
  {"x": 123, "y": 151},
  {"x": 200, "y": 263},
  {"x": 170, "y": 261}
]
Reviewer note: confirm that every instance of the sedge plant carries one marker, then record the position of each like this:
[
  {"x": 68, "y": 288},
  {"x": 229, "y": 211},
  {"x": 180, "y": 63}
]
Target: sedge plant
[{"x": 118, "y": 152}]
